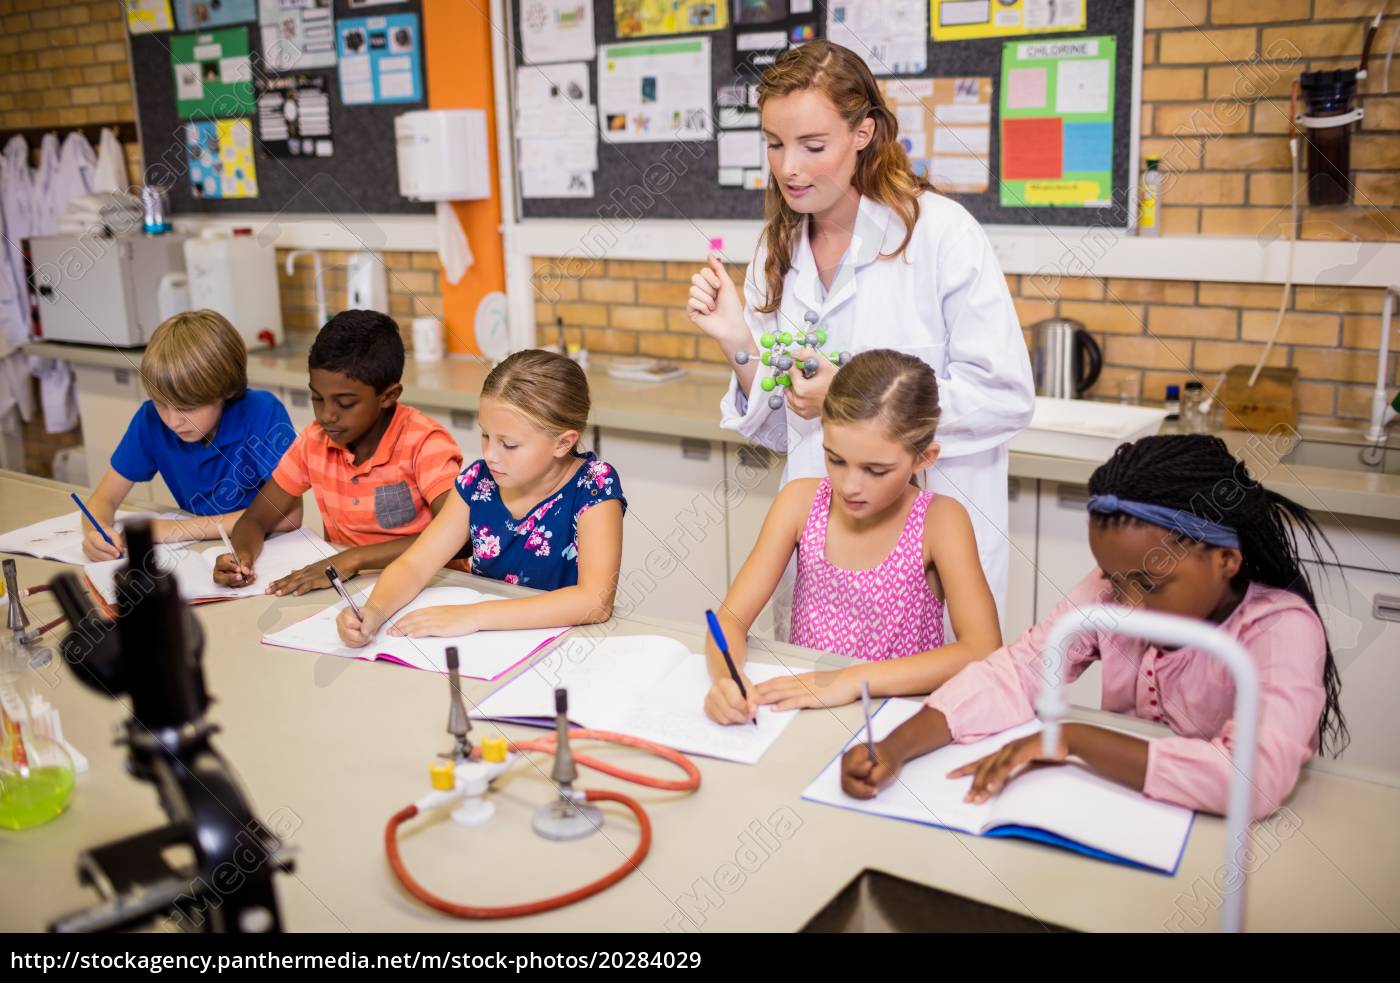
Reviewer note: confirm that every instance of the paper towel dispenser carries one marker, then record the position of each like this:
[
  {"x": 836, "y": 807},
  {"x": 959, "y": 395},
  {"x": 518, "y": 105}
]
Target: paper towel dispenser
[{"x": 443, "y": 154}]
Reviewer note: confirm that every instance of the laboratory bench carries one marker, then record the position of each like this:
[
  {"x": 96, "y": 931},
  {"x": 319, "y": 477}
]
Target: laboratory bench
[
  {"x": 328, "y": 749},
  {"x": 697, "y": 496}
]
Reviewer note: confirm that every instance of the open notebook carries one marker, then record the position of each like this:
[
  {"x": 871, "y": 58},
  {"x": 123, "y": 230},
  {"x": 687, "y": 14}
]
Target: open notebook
[
  {"x": 1063, "y": 805},
  {"x": 61, "y": 538},
  {"x": 647, "y": 686},
  {"x": 484, "y": 655},
  {"x": 193, "y": 566}
]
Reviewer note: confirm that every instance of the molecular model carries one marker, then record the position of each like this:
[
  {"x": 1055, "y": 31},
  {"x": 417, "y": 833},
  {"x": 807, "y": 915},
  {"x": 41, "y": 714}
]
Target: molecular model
[{"x": 776, "y": 357}]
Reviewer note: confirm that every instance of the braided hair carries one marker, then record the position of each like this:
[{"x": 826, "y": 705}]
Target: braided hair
[{"x": 1198, "y": 474}]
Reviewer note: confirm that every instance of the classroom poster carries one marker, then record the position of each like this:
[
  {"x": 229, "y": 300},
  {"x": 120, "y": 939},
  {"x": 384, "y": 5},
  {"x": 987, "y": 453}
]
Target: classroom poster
[
  {"x": 759, "y": 11},
  {"x": 655, "y": 91},
  {"x": 221, "y": 158},
  {"x": 200, "y": 15},
  {"x": 945, "y": 126},
  {"x": 212, "y": 74},
  {"x": 642, "y": 18},
  {"x": 149, "y": 16},
  {"x": 1057, "y": 123},
  {"x": 294, "y": 116},
  {"x": 964, "y": 20},
  {"x": 556, "y": 30},
  {"x": 891, "y": 35},
  {"x": 379, "y": 59},
  {"x": 297, "y": 34},
  {"x": 556, "y": 126}
]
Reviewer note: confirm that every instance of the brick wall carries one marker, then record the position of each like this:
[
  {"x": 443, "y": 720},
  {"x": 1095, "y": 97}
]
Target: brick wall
[
  {"x": 1215, "y": 85},
  {"x": 1216, "y": 80},
  {"x": 414, "y": 291},
  {"x": 63, "y": 63}
]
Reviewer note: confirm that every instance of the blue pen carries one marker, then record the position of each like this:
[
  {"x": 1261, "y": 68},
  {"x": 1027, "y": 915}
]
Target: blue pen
[
  {"x": 717, "y": 633},
  {"x": 95, "y": 524}
]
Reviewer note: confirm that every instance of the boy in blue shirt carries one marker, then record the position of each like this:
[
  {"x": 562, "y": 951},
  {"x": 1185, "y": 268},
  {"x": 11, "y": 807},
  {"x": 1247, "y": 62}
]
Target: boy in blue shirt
[{"x": 213, "y": 440}]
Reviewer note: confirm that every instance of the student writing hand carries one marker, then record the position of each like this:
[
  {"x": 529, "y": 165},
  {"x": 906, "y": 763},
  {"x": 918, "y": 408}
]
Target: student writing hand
[
  {"x": 714, "y": 306},
  {"x": 96, "y": 548},
  {"x": 804, "y": 396},
  {"x": 990, "y": 774},
  {"x": 310, "y": 577},
  {"x": 356, "y": 631},
  {"x": 725, "y": 705},
  {"x": 863, "y": 780},
  {"x": 445, "y": 619},
  {"x": 810, "y": 689},
  {"x": 234, "y": 571}
]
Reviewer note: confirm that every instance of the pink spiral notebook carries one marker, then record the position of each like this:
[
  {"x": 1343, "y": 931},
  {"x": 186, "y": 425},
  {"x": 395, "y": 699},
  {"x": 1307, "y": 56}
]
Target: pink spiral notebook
[{"x": 484, "y": 655}]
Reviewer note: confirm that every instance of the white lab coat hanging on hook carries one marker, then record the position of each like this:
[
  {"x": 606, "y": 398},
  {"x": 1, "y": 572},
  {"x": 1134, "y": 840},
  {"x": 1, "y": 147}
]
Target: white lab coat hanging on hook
[{"x": 946, "y": 302}]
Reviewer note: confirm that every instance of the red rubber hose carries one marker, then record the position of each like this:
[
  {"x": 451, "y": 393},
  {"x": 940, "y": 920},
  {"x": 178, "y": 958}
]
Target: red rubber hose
[
  {"x": 689, "y": 784},
  {"x": 548, "y": 746}
]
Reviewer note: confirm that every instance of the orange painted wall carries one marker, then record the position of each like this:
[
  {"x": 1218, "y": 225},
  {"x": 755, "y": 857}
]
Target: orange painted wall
[{"x": 457, "y": 47}]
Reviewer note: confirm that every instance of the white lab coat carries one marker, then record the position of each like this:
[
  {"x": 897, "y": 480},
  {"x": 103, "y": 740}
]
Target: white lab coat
[
  {"x": 946, "y": 301},
  {"x": 17, "y": 201},
  {"x": 16, "y": 216},
  {"x": 65, "y": 172}
]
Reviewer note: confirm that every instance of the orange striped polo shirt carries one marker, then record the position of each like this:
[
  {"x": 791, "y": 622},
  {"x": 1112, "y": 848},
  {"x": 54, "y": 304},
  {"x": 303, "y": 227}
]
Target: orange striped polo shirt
[{"x": 380, "y": 499}]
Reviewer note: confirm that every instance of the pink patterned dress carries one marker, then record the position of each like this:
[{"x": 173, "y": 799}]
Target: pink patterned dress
[{"x": 886, "y": 612}]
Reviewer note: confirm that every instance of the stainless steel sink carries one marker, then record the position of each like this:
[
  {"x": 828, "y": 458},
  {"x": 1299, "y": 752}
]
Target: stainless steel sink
[
  {"x": 1337, "y": 448},
  {"x": 1345, "y": 457},
  {"x": 878, "y": 902}
]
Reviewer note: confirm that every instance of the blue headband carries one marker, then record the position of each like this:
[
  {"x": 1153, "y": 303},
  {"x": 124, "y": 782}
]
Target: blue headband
[{"x": 1186, "y": 523}]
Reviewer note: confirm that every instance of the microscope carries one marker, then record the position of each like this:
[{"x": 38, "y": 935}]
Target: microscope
[{"x": 153, "y": 654}]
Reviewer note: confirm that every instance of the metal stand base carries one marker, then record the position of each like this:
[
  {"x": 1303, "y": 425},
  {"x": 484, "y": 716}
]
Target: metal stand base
[{"x": 563, "y": 819}]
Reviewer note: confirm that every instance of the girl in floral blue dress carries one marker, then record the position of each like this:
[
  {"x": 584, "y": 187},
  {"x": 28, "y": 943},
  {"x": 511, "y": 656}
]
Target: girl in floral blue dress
[{"x": 537, "y": 512}]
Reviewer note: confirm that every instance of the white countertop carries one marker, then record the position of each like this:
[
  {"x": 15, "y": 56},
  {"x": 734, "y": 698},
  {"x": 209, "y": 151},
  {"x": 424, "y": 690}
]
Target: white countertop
[
  {"x": 338, "y": 746},
  {"x": 689, "y": 407}
]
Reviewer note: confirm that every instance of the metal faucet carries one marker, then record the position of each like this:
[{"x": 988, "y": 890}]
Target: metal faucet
[{"x": 321, "y": 314}]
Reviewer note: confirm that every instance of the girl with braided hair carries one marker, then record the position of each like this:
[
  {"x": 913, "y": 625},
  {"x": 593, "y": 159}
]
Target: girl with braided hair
[{"x": 1179, "y": 526}]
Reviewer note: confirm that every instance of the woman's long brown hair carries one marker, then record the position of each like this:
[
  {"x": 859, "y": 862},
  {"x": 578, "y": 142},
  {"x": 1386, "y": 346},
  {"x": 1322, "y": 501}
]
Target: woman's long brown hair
[{"x": 882, "y": 172}]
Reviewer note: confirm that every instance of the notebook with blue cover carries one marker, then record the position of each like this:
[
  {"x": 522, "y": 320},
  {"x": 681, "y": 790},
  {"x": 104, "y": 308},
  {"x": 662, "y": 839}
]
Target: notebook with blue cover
[{"x": 1061, "y": 805}]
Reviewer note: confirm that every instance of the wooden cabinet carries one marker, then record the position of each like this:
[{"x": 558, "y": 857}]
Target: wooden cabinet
[
  {"x": 107, "y": 400},
  {"x": 753, "y": 476},
  {"x": 1018, "y": 612},
  {"x": 1062, "y": 560},
  {"x": 674, "y": 536},
  {"x": 1361, "y": 609}
]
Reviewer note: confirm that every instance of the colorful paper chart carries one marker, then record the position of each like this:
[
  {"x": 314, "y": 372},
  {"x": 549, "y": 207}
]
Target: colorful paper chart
[
  {"x": 380, "y": 59},
  {"x": 945, "y": 127},
  {"x": 221, "y": 158},
  {"x": 148, "y": 16},
  {"x": 1056, "y": 101},
  {"x": 644, "y": 18},
  {"x": 964, "y": 20},
  {"x": 213, "y": 77},
  {"x": 199, "y": 15}
]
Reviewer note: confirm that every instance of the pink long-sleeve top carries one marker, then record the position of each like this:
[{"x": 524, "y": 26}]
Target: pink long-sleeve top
[{"x": 1187, "y": 689}]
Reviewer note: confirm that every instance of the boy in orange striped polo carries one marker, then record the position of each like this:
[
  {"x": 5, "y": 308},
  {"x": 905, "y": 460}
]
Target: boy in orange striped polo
[{"x": 380, "y": 471}]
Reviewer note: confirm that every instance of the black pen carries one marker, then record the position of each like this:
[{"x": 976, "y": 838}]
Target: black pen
[{"x": 334, "y": 578}]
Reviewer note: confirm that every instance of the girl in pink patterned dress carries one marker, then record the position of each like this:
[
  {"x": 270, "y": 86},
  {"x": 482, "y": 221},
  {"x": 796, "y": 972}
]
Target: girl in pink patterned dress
[{"x": 877, "y": 558}]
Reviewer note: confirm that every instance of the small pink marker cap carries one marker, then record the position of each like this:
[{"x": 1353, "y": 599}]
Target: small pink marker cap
[{"x": 717, "y": 245}]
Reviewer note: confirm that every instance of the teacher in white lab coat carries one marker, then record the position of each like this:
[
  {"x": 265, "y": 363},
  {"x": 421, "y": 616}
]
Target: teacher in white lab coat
[{"x": 853, "y": 236}]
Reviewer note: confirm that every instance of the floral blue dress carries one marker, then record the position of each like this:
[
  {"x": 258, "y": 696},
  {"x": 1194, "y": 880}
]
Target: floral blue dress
[{"x": 540, "y": 550}]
